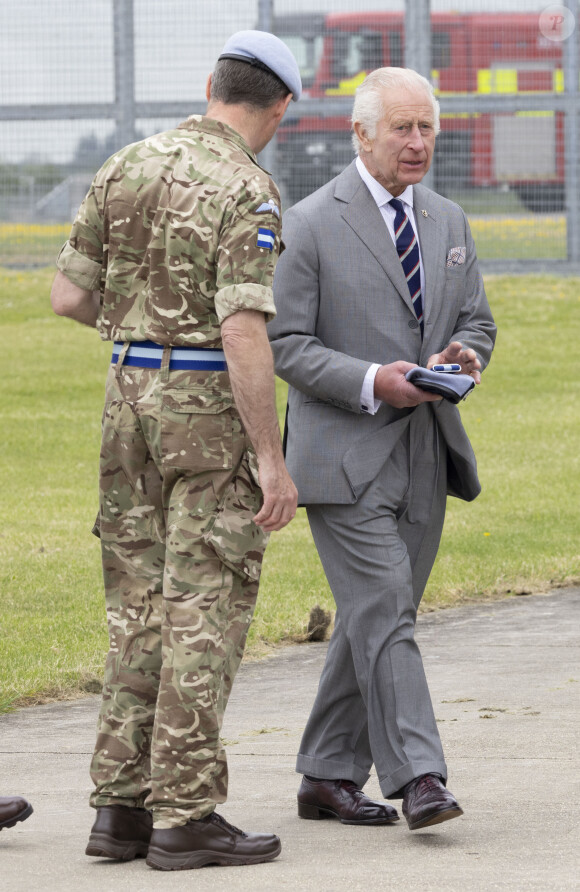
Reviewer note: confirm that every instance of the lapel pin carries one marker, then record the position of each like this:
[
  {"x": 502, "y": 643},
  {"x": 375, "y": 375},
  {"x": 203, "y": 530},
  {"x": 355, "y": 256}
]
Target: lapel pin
[{"x": 425, "y": 214}]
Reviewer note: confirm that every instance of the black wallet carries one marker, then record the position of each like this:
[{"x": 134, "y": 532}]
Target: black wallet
[{"x": 449, "y": 385}]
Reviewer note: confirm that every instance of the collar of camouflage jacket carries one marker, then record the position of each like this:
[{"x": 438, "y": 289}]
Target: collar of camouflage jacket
[{"x": 217, "y": 128}]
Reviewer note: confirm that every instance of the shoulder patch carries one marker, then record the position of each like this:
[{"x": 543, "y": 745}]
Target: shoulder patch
[
  {"x": 266, "y": 238},
  {"x": 268, "y": 207}
]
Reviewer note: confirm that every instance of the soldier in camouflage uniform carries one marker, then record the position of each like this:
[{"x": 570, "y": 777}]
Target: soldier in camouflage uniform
[{"x": 171, "y": 257}]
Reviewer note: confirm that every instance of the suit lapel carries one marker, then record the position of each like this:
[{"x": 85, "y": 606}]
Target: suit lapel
[
  {"x": 430, "y": 237},
  {"x": 365, "y": 219}
]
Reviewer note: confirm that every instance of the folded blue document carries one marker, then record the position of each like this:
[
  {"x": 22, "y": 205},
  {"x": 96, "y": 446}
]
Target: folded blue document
[{"x": 450, "y": 386}]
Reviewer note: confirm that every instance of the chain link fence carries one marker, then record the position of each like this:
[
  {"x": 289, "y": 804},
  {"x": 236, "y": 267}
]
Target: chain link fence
[{"x": 77, "y": 81}]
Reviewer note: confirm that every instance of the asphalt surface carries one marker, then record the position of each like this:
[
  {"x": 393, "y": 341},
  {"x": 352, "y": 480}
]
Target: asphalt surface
[{"x": 505, "y": 683}]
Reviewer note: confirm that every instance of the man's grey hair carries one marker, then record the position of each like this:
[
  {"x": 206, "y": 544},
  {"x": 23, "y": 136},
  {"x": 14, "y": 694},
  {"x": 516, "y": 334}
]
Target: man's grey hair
[{"x": 368, "y": 101}]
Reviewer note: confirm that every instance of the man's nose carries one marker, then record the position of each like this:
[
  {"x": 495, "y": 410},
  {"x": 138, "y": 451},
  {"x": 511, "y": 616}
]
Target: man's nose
[{"x": 415, "y": 139}]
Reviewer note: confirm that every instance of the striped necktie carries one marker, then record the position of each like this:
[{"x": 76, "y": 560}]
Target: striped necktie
[{"x": 408, "y": 251}]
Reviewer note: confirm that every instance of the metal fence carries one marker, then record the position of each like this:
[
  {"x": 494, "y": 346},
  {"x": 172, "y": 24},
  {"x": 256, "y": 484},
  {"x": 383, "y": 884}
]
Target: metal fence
[{"x": 77, "y": 81}]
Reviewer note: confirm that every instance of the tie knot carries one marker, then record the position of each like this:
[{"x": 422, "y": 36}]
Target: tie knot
[{"x": 397, "y": 205}]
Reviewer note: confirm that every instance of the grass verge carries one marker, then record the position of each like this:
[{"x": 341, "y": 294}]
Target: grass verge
[
  {"x": 501, "y": 227},
  {"x": 520, "y": 535}
]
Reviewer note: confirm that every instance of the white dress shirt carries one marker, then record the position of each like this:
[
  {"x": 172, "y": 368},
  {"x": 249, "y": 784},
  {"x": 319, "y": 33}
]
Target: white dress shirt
[{"x": 381, "y": 196}]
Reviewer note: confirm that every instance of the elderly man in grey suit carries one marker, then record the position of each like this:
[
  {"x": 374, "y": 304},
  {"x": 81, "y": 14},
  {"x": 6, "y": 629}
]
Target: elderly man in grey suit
[{"x": 379, "y": 275}]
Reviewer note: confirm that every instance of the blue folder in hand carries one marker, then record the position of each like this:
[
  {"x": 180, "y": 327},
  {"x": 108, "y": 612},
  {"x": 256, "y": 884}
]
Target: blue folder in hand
[{"x": 449, "y": 385}]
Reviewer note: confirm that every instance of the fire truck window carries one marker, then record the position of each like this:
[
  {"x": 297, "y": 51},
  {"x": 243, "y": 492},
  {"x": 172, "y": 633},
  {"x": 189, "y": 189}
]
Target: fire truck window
[
  {"x": 440, "y": 50},
  {"x": 395, "y": 49},
  {"x": 307, "y": 50},
  {"x": 354, "y": 53}
]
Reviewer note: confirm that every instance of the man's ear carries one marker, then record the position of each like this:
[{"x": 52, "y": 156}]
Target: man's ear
[
  {"x": 282, "y": 105},
  {"x": 208, "y": 88},
  {"x": 365, "y": 142}
]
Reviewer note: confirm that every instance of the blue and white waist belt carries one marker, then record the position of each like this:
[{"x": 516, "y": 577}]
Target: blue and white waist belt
[{"x": 147, "y": 355}]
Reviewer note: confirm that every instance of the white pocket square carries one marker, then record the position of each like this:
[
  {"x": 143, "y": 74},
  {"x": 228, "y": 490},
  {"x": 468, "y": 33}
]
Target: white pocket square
[{"x": 455, "y": 256}]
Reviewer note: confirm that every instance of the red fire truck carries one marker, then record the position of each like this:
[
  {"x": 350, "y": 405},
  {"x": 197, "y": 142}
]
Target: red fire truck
[{"x": 471, "y": 54}]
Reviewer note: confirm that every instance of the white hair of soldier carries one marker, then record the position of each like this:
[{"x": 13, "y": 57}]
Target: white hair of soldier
[{"x": 368, "y": 101}]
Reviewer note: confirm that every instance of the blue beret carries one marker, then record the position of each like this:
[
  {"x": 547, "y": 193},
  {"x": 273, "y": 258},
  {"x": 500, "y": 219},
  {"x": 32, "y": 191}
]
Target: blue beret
[{"x": 266, "y": 51}]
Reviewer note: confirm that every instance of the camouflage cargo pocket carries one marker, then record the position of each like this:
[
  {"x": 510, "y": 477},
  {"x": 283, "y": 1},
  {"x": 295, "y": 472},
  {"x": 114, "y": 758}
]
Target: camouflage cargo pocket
[
  {"x": 196, "y": 430},
  {"x": 233, "y": 535}
]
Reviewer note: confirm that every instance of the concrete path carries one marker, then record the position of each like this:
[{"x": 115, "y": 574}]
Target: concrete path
[{"x": 505, "y": 682}]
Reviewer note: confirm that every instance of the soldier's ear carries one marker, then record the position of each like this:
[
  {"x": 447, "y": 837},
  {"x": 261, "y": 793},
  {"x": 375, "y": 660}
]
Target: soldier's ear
[
  {"x": 281, "y": 106},
  {"x": 208, "y": 88}
]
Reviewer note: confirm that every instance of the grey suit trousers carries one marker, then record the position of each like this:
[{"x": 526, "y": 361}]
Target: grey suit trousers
[{"x": 373, "y": 703}]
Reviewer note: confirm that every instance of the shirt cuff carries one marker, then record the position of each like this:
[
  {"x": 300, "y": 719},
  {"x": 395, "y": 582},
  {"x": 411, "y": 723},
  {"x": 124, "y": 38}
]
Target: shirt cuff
[
  {"x": 78, "y": 269},
  {"x": 368, "y": 402},
  {"x": 245, "y": 296}
]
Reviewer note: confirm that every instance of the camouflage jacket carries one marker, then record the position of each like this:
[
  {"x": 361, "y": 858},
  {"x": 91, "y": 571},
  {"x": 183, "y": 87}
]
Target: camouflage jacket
[{"x": 177, "y": 232}]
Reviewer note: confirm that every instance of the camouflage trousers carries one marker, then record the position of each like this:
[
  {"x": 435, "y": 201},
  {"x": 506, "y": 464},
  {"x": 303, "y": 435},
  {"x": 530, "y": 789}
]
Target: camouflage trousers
[{"x": 181, "y": 564}]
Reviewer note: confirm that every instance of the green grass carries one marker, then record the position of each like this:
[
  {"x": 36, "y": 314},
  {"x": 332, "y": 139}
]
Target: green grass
[
  {"x": 521, "y": 534},
  {"x": 501, "y": 226},
  {"x": 31, "y": 244},
  {"x": 520, "y": 238},
  {"x": 487, "y": 200},
  {"x": 524, "y": 423}
]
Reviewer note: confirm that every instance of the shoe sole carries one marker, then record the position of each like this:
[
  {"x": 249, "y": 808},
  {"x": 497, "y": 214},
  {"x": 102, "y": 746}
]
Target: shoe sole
[
  {"x": 20, "y": 817},
  {"x": 316, "y": 813},
  {"x": 437, "y": 818},
  {"x": 162, "y": 860},
  {"x": 103, "y": 846}
]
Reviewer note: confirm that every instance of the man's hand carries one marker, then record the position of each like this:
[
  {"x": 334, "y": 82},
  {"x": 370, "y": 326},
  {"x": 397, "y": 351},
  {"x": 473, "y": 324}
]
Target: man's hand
[
  {"x": 251, "y": 368},
  {"x": 392, "y": 387},
  {"x": 465, "y": 356},
  {"x": 280, "y": 496}
]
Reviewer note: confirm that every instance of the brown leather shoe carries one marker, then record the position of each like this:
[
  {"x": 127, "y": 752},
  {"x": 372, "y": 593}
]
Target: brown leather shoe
[
  {"x": 427, "y": 802},
  {"x": 13, "y": 809},
  {"x": 120, "y": 832},
  {"x": 341, "y": 799},
  {"x": 212, "y": 840}
]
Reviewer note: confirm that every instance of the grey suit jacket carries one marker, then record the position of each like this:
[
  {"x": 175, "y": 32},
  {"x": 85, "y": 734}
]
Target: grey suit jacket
[{"x": 342, "y": 304}]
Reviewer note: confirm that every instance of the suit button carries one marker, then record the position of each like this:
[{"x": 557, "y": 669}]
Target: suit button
[{"x": 412, "y": 323}]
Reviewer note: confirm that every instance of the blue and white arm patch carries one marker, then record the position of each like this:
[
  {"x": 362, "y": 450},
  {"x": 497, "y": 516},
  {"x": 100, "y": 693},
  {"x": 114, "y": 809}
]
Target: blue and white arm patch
[
  {"x": 266, "y": 238},
  {"x": 268, "y": 207}
]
